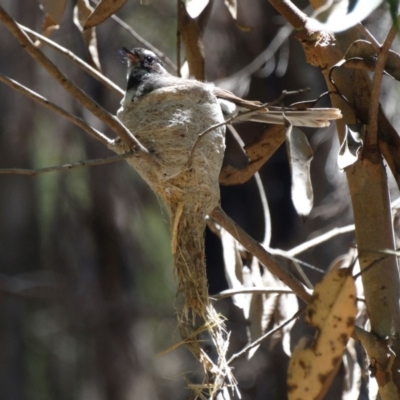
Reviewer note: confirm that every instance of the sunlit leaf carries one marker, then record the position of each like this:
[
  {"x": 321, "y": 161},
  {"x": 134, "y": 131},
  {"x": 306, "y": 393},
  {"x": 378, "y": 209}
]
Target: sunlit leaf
[
  {"x": 232, "y": 7},
  {"x": 352, "y": 375},
  {"x": 103, "y": 10},
  {"x": 254, "y": 321},
  {"x": 233, "y": 267},
  {"x": 300, "y": 156},
  {"x": 195, "y": 7},
  {"x": 332, "y": 310},
  {"x": 82, "y": 11},
  {"x": 334, "y": 18},
  {"x": 286, "y": 307},
  {"x": 277, "y": 309},
  {"x": 352, "y": 144},
  {"x": 261, "y": 307}
]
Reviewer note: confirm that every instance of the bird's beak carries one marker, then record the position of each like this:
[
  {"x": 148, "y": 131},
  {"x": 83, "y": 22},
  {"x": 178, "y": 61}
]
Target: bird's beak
[{"x": 131, "y": 57}]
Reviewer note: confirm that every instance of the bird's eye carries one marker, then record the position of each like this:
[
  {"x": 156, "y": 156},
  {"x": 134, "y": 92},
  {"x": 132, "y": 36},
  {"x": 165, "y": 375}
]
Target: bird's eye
[{"x": 149, "y": 59}]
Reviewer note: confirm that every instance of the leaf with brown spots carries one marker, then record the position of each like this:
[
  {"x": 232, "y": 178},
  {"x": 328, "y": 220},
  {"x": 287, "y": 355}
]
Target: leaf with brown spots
[{"x": 332, "y": 311}]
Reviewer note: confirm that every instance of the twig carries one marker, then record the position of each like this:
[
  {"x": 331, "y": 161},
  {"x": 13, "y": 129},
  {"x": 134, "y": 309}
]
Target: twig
[
  {"x": 253, "y": 290},
  {"x": 178, "y": 39},
  {"x": 283, "y": 253},
  {"x": 233, "y": 82},
  {"x": 368, "y": 35},
  {"x": 255, "y": 110},
  {"x": 145, "y": 43},
  {"x": 265, "y": 336},
  {"x": 109, "y": 119},
  {"x": 371, "y": 137},
  {"x": 261, "y": 191},
  {"x": 208, "y": 130},
  {"x": 318, "y": 240},
  {"x": 82, "y": 64},
  {"x": 226, "y": 122},
  {"x": 262, "y": 255},
  {"x": 57, "y": 168},
  {"x": 291, "y": 13},
  {"x": 43, "y": 101}
]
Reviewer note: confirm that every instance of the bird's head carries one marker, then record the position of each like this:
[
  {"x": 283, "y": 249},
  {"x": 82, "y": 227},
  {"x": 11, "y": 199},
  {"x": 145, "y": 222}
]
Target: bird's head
[{"x": 141, "y": 62}]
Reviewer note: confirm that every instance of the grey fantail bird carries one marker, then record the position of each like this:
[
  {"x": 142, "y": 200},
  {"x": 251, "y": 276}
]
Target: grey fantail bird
[{"x": 146, "y": 73}]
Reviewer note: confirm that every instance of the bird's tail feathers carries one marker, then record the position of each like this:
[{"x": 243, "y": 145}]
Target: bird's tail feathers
[{"x": 310, "y": 117}]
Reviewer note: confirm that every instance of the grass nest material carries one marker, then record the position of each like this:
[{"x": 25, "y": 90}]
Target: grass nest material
[{"x": 168, "y": 122}]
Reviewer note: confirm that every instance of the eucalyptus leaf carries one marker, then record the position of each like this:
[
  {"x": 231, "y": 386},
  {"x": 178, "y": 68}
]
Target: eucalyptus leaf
[
  {"x": 334, "y": 19},
  {"x": 103, "y": 10},
  {"x": 352, "y": 143},
  {"x": 300, "y": 156},
  {"x": 195, "y": 7}
]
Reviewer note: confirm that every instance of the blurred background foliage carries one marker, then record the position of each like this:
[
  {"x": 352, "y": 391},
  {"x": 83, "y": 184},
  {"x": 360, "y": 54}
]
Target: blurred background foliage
[{"x": 86, "y": 282}]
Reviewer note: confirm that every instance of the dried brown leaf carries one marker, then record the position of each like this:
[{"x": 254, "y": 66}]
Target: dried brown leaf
[
  {"x": 82, "y": 11},
  {"x": 103, "y": 10},
  {"x": 49, "y": 25},
  {"x": 300, "y": 156},
  {"x": 258, "y": 151},
  {"x": 54, "y": 8},
  {"x": 332, "y": 311}
]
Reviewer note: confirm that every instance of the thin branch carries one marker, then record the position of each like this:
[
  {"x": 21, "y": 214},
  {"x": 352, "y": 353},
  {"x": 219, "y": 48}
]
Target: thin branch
[
  {"x": 234, "y": 81},
  {"x": 257, "y": 290},
  {"x": 265, "y": 336},
  {"x": 240, "y": 114},
  {"x": 368, "y": 35},
  {"x": 44, "y": 102},
  {"x": 291, "y": 13},
  {"x": 82, "y": 64},
  {"x": 253, "y": 290},
  {"x": 284, "y": 254},
  {"x": 261, "y": 191},
  {"x": 145, "y": 43},
  {"x": 261, "y": 254},
  {"x": 109, "y": 119},
  {"x": 58, "y": 168},
  {"x": 371, "y": 137},
  {"x": 178, "y": 39},
  {"x": 318, "y": 240}
]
